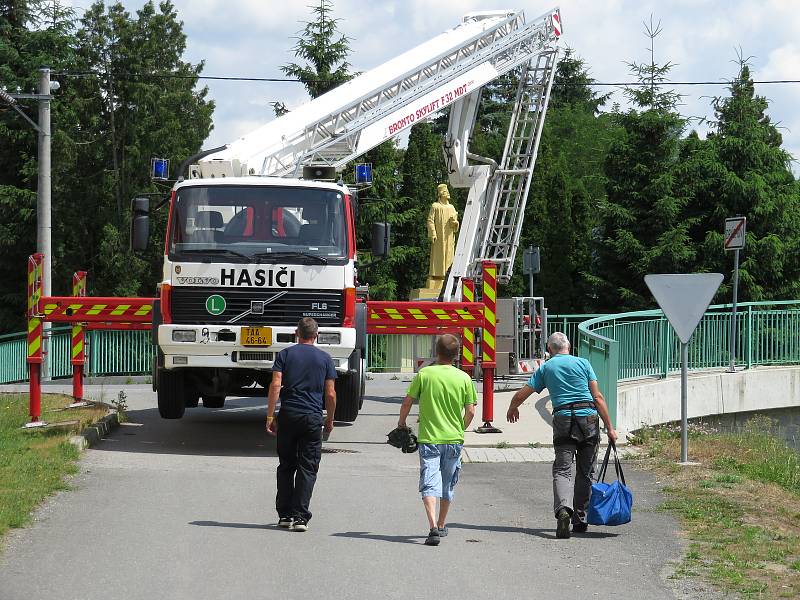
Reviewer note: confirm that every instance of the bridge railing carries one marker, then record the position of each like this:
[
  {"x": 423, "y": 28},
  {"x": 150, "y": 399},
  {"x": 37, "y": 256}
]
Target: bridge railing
[{"x": 640, "y": 344}]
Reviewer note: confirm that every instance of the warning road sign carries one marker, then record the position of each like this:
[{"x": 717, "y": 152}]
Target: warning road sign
[{"x": 734, "y": 233}]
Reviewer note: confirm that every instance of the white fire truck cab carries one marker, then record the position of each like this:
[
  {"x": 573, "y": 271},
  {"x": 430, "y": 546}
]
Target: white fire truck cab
[{"x": 246, "y": 258}]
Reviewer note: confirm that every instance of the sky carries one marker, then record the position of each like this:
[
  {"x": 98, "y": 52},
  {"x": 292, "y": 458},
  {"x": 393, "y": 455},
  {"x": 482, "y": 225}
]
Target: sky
[{"x": 254, "y": 38}]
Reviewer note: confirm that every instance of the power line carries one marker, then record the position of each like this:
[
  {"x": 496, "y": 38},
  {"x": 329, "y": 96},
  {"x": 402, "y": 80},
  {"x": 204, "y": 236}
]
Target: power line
[{"x": 131, "y": 76}]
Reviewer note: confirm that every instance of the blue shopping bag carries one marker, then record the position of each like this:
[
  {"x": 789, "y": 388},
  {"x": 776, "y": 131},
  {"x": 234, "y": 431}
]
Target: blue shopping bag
[{"x": 610, "y": 503}]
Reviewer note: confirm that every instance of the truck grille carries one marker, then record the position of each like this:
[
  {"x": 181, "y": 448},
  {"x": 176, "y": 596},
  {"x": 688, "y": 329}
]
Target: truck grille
[{"x": 189, "y": 306}]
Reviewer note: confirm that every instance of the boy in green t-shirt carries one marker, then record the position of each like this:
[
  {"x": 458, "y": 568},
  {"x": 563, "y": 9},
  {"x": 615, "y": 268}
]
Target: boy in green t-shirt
[{"x": 447, "y": 401}]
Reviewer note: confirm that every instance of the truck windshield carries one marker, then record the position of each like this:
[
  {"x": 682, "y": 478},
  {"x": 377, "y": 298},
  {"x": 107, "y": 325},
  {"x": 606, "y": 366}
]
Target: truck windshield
[{"x": 240, "y": 223}]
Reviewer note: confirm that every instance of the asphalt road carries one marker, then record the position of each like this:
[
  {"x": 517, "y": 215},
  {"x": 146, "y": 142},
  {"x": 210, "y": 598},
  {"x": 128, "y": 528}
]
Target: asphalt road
[{"x": 184, "y": 509}]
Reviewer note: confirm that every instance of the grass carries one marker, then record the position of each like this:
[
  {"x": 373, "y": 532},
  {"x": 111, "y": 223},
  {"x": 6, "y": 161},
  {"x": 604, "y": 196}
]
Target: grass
[
  {"x": 35, "y": 463},
  {"x": 740, "y": 507}
]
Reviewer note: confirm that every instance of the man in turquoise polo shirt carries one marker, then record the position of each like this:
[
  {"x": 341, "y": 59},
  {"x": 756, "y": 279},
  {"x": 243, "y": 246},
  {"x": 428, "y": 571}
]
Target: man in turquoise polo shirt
[
  {"x": 576, "y": 401},
  {"x": 447, "y": 401}
]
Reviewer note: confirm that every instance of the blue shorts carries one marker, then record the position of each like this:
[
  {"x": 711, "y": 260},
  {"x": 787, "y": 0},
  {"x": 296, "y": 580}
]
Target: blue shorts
[{"x": 439, "y": 466}]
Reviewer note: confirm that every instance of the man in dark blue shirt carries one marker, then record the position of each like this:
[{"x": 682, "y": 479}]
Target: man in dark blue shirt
[{"x": 302, "y": 376}]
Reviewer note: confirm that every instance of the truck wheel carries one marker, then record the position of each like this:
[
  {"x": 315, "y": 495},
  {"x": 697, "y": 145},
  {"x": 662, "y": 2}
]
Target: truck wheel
[
  {"x": 213, "y": 401},
  {"x": 348, "y": 392},
  {"x": 171, "y": 395}
]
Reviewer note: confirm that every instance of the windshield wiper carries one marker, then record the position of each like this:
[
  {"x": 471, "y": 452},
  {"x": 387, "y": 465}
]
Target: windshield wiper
[
  {"x": 292, "y": 254},
  {"x": 224, "y": 251}
]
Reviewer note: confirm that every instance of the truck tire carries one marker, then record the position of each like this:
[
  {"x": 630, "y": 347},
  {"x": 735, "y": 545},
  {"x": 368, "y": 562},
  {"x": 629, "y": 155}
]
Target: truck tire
[
  {"x": 171, "y": 394},
  {"x": 213, "y": 401},
  {"x": 348, "y": 391}
]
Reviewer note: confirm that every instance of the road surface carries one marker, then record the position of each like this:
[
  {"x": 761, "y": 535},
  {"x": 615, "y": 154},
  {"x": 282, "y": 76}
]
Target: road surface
[{"x": 184, "y": 509}]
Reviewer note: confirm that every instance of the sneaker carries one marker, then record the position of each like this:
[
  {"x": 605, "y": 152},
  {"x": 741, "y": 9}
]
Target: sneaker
[
  {"x": 443, "y": 531},
  {"x": 433, "y": 538},
  {"x": 580, "y": 527},
  {"x": 562, "y": 531},
  {"x": 285, "y": 522},
  {"x": 300, "y": 525}
]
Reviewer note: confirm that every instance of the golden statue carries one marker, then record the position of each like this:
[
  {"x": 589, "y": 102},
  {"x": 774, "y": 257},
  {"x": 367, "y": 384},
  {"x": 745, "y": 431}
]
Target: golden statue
[{"x": 442, "y": 227}]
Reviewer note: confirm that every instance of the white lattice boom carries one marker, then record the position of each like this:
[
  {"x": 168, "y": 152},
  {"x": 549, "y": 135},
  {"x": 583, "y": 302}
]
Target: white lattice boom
[{"x": 379, "y": 104}]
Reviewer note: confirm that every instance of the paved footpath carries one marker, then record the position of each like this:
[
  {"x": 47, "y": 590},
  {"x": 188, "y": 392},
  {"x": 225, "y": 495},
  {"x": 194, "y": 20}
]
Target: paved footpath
[{"x": 184, "y": 509}]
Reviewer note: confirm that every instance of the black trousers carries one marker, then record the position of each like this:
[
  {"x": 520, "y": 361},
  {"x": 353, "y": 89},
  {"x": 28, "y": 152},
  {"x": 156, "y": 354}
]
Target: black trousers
[{"x": 299, "y": 453}]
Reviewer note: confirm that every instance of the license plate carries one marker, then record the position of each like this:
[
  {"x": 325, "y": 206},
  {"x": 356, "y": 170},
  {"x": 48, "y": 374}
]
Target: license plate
[{"x": 256, "y": 336}]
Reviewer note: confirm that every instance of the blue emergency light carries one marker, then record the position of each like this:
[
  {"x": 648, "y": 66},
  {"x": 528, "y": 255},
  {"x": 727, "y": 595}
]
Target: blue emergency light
[
  {"x": 364, "y": 173},
  {"x": 159, "y": 168}
]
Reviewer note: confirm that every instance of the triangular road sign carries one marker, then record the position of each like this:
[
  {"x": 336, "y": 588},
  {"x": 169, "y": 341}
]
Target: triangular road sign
[{"x": 684, "y": 298}]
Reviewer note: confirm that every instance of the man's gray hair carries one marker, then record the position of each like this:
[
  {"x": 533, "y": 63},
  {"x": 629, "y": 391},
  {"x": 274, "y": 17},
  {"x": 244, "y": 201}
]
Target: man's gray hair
[
  {"x": 558, "y": 342},
  {"x": 307, "y": 328}
]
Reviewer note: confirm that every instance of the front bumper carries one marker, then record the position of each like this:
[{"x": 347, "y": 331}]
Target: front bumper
[{"x": 219, "y": 346}]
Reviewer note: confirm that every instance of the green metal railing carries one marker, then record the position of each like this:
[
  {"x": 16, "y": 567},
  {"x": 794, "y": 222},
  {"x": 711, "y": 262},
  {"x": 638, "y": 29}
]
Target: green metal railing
[
  {"x": 568, "y": 325},
  {"x": 642, "y": 344},
  {"x": 108, "y": 353}
]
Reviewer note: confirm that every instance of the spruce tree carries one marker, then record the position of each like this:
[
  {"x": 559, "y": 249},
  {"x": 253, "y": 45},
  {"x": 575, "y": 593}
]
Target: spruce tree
[
  {"x": 742, "y": 169},
  {"x": 324, "y": 51},
  {"x": 643, "y": 225}
]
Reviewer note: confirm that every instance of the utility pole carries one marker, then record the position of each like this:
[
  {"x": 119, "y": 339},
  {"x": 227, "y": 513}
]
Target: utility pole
[{"x": 44, "y": 227}]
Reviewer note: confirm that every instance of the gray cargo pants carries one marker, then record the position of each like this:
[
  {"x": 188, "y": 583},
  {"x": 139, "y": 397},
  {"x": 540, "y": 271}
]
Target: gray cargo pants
[{"x": 574, "y": 439}]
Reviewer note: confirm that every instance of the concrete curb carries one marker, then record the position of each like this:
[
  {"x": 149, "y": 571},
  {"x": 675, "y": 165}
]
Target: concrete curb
[{"x": 92, "y": 434}]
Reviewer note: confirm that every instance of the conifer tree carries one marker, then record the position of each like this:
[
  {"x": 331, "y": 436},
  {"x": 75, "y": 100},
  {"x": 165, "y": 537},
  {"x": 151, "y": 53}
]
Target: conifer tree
[
  {"x": 324, "y": 51},
  {"x": 643, "y": 225},
  {"x": 742, "y": 169}
]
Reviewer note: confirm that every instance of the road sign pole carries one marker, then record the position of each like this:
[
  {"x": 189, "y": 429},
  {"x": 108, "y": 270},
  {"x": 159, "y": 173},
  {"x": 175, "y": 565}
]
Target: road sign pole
[
  {"x": 684, "y": 403},
  {"x": 732, "y": 368},
  {"x": 530, "y": 282}
]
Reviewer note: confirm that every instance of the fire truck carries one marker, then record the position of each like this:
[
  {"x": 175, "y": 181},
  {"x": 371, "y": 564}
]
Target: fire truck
[{"x": 261, "y": 232}]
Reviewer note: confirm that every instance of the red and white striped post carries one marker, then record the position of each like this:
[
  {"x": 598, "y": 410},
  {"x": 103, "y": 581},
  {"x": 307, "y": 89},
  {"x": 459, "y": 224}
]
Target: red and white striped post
[
  {"x": 34, "y": 355},
  {"x": 468, "y": 334},
  {"x": 489, "y": 362},
  {"x": 78, "y": 352}
]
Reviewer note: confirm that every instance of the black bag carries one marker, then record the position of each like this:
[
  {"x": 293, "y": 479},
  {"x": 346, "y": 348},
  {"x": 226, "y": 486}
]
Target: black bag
[{"x": 403, "y": 438}]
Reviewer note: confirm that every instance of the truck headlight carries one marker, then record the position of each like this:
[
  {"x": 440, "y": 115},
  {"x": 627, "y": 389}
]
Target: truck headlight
[
  {"x": 329, "y": 338},
  {"x": 184, "y": 335}
]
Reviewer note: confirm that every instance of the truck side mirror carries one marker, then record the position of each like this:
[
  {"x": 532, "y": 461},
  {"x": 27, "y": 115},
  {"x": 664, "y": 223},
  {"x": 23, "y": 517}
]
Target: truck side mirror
[
  {"x": 140, "y": 224},
  {"x": 380, "y": 239}
]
